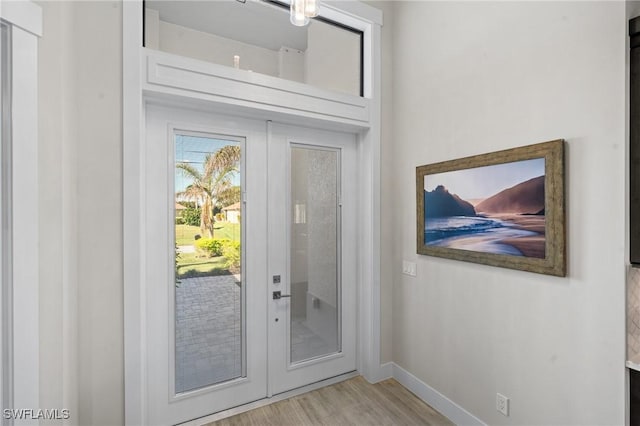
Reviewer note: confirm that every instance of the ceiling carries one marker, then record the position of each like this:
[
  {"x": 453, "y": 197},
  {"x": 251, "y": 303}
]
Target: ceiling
[{"x": 253, "y": 22}]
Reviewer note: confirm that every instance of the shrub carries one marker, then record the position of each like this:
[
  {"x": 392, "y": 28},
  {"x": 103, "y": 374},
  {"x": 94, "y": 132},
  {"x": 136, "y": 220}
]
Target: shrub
[
  {"x": 231, "y": 252},
  {"x": 211, "y": 246},
  {"x": 219, "y": 217},
  {"x": 189, "y": 204},
  {"x": 191, "y": 216},
  {"x": 179, "y": 220}
]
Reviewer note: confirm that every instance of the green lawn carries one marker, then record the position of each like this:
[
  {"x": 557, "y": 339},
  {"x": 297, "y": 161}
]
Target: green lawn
[
  {"x": 185, "y": 234},
  {"x": 227, "y": 230},
  {"x": 189, "y": 265}
]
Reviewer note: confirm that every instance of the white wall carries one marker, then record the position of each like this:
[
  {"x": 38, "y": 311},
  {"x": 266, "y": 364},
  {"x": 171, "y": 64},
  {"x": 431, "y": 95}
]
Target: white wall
[
  {"x": 633, "y": 9},
  {"x": 208, "y": 47},
  {"x": 387, "y": 181},
  {"x": 332, "y": 58},
  {"x": 476, "y": 77},
  {"x": 80, "y": 193},
  {"x": 52, "y": 50},
  {"x": 291, "y": 64},
  {"x": 99, "y": 187}
]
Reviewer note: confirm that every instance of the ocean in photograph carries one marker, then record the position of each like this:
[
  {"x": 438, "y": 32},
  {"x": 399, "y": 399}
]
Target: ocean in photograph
[
  {"x": 496, "y": 209},
  {"x": 481, "y": 234}
]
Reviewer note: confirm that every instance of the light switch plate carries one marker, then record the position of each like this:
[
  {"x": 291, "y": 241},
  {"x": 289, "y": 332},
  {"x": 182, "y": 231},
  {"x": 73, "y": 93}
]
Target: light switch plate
[{"x": 409, "y": 268}]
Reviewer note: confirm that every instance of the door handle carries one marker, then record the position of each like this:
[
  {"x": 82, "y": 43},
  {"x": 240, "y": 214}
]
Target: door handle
[{"x": 278, "y": 295}]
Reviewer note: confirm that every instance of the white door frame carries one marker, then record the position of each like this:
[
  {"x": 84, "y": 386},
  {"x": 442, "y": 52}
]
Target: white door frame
[
  {"x": 191, "y": 83},
  {"x": 20, "y": 305}
]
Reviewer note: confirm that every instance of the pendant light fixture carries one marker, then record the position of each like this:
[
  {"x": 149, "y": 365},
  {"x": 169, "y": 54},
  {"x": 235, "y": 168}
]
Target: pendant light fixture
[{"x": 302, "y": 10}]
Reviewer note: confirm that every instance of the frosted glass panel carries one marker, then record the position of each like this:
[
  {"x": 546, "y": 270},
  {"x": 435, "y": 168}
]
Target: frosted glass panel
[
  {"x": 257, "y": 36},
  {"x": 315, "y": 253},
  {"x": 209, "y": 331}
]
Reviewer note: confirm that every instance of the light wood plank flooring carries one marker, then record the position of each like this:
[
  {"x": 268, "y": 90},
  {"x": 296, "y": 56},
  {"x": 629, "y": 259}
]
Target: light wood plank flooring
[{"x": 352, "y": 402}]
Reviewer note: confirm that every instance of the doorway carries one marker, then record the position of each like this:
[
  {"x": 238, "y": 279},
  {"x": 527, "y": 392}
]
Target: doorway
[{"x": 250, "y": 279}]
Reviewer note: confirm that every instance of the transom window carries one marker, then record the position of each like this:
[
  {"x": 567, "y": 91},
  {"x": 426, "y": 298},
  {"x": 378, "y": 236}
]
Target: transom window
[{"x": 256, "y": 36}]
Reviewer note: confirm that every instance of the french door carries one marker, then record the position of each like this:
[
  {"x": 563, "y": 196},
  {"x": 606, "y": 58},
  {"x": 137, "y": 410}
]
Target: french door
[
  {"x": 237, "y": 210},
  {"x": 311, "y": 256},
  {"x": 206, "y": 322}
]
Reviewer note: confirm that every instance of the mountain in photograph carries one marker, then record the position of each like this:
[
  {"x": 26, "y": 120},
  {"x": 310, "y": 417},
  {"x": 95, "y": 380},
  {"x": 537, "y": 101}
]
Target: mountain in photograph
[
  {"x": 441, "y": 203},
  {"x": 524, "y": 198}
]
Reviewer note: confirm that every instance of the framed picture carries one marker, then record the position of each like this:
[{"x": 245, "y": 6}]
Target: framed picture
[{"x": 504, "y": 209}]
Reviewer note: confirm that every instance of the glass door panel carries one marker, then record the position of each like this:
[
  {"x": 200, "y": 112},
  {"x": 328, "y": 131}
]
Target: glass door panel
[
  {"x": 209, "y": 299},
  {"x": 312, "y": 255},
  {"x": 204, "y": 306},
  {"x": 315, "y": 253}
]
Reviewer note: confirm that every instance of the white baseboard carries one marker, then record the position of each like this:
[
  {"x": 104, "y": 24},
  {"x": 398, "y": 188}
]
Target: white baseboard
[
  {"x": 435, "y": 399},
  {"x": 384, "y": 372}
]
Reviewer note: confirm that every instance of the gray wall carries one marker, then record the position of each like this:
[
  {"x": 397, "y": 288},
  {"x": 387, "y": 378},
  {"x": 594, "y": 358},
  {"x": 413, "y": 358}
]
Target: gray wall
[
  {"x": 388, "y": 267},
  {"x": 53, "y": 52},
  {"x": 476, "y": 77},
  {"x": 328, "y": 67},
  {"x": 80, "y": 88}
]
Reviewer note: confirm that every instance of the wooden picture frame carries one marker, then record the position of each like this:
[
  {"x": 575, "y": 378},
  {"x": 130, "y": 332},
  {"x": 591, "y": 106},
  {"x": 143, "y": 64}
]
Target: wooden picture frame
[{"x": 514, "y": 216}]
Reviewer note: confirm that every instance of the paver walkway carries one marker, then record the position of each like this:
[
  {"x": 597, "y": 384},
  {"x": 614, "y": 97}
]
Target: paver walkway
[
  {"x": 209, "y": 336},
  {"x": 208, "y": 333}
]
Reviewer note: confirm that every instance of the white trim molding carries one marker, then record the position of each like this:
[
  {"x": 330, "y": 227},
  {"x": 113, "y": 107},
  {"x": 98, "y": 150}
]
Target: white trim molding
[
  {"x": 435, "y": 399},
  {"x": 384, "y": 372},
  {"x": 133, "y": 264},
  {"x": 369, "y": 212},
  {"x": 22, "y": 14},
  {"x": 20, "y": 298},
  {"x": 189, "y": 78}
]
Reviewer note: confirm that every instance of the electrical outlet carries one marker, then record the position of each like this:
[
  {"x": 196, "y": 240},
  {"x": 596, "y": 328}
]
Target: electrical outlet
[
  {"x": 502, "y": 404},
  {"x": 409, "y": 268}
]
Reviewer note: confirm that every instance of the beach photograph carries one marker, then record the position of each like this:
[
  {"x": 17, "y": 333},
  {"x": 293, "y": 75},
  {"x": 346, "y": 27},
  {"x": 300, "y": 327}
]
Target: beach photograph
[{"x": 496, "y": 209}]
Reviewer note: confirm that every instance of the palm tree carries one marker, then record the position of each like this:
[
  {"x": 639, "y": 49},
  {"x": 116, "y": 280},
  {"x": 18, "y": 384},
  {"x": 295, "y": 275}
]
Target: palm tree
[{"x": 211, "y": 182}]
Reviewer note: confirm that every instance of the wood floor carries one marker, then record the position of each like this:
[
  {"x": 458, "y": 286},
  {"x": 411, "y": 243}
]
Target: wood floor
[{"x": 352, "y": 402}]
